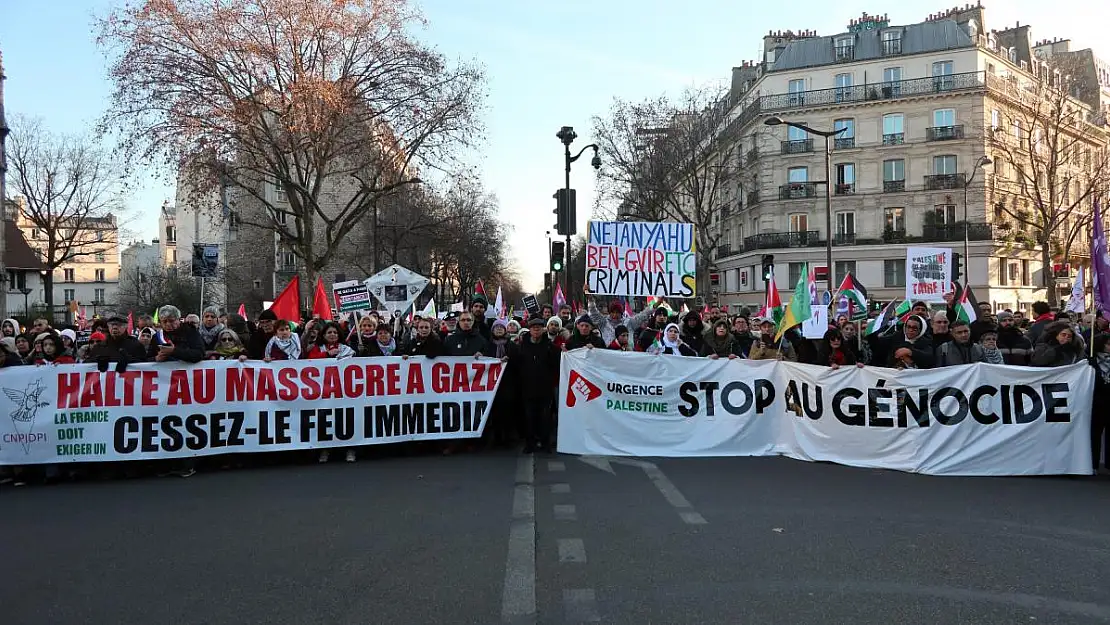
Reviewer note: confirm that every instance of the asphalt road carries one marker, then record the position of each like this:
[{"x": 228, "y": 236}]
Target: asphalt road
[{"x": 460, "y": 539}]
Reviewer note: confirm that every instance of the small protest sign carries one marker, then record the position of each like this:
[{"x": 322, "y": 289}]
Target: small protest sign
[
  {"x": 351, "y": 295},
  {"x": 928, "y": 273},
  {"x": 532, "y": 305}
]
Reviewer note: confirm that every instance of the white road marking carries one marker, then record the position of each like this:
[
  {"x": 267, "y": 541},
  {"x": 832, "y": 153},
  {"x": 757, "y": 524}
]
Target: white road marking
[
  {"x": 565, "y": 512},
  {"x": 555, "y": 466},
  {"x": 572, "y": 550},
  {"x": 580, "y": 605},
  {"x": 560, "y": 489},
  {"x": 518, "y": 597}
]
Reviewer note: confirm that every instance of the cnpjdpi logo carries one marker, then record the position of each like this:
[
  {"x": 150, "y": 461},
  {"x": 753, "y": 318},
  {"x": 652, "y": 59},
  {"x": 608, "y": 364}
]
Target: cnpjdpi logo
[
  {"x": 580, "y": 387},
  {"x": 26, "y": 407}
]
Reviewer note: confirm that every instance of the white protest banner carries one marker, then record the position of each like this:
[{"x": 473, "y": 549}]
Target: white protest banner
[
  {"x": 74, "y": 413},
  {"x": 641, "y": 259},
  {"x": 968, "y": 420},
  {"x": 351, "y": 295},
  {"x": 396, "y": 287},
  {"x": 928, "y": 273}
]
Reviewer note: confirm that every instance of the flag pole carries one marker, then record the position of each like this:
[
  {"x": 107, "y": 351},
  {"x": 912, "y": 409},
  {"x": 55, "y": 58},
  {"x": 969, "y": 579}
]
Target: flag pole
[{"x": 1094, "y": 309}]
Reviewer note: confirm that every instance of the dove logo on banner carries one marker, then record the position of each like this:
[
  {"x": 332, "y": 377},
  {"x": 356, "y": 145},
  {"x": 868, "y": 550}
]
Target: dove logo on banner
[{"x": 25, "y": 406}]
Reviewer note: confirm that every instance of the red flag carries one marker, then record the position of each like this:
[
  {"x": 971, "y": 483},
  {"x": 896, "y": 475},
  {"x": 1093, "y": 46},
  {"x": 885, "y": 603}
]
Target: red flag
[
  {"x": 321, "y": 307},
  {"x": 287, "y": 304},
  {"x": 130, "y": 324},
  {"x": 628, "y": 309},
  {"x": 243, "y": 311}
]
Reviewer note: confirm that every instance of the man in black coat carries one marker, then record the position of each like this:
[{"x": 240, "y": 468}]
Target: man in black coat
[
  {"x": 260, "y": 338},
  {"x": 119, "y": 347},
  {"x": 176, "y": 340},
  {"x": 536, "y": 367}
]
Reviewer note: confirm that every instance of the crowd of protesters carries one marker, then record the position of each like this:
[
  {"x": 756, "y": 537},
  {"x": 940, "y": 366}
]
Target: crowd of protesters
[{"x": 524, "y": 409}]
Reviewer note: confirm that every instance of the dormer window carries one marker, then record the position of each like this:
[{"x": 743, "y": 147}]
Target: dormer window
[
  {"x": 892, "y": 42},
  {"x": 845, "y": 48}
]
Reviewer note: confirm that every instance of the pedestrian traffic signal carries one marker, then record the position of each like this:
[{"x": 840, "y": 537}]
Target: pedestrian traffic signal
[
  {"x": 956, "y": 265},
  {"x": 557, "y": 250},
  {"x": 547, "y": 281},
  {"x": 768, "y": 266},
  {"x": 566, "y": 214}
]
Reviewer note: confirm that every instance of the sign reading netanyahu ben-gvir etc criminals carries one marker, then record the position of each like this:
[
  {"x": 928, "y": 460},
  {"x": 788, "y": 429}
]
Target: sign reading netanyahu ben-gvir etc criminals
[{"x": 641, "y": 259}]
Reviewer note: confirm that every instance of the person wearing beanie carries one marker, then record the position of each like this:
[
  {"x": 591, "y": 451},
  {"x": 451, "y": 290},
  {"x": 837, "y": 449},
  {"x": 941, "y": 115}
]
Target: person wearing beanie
[
  {"x": 1015, "y": 346},
  {"x": 652, "y": 329},
  {"x": 583, "y": 335},
  {"x": 69, "y": 340},
  {"x": 478, "y": 307},
  {"x": 536, "y": 366},
  {"x": 556, "y": 333},
  {"x": 260, "y": 338},
  {"x": 693, "y": 331},
  {"x": 607, "y": 324},
  {"x": 621, "y": 341},
  {"x": 117, "y": 347}
]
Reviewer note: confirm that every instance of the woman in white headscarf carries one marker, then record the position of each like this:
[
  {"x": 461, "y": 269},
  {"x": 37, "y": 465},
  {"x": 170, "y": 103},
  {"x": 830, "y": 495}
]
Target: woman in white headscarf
[{"x": 670, "y": 342}]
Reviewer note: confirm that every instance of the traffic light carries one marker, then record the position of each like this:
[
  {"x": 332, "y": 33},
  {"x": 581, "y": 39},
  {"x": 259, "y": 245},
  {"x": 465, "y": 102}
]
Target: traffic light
[
  {"x": 557, "y": 249},
  {"x": 547, "y": 281},
  {"x": 956, "y": 266},
  {"x": 768, "y": 266},
  {"x": 566, "y": 213}
]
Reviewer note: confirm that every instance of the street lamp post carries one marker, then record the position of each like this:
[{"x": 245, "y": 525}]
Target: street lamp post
[
  {"x": 567, "y": 136},
  {"x": 828, "y": 135},
  {"x": 982, "y": 163}
]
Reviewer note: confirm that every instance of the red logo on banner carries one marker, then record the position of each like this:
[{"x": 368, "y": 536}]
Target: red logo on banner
[{"x": 580, "y": 386}]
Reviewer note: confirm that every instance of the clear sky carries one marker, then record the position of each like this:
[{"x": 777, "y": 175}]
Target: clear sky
[{"x": 549, "y": 63}]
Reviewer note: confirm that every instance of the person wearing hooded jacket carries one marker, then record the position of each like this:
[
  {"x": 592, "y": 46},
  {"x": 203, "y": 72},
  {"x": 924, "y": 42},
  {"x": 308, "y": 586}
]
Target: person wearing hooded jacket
[
  {"x": 918, "y": 347},
  {"x": 584, "y": 335},
  {"x": 1057, "y": 347},
  {"x": 10, "y": 327},
  {"x": 693, "y": 331}
]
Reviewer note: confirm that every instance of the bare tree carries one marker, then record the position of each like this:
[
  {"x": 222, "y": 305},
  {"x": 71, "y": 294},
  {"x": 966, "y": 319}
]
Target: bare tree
[
  {"x": 144, "y": 289},
  {"x": 669, "y": 160},
  {"x": 1053, "y": 163},
  {"x": 289, "y": 98},
  {"x": 72, "y": 192}
]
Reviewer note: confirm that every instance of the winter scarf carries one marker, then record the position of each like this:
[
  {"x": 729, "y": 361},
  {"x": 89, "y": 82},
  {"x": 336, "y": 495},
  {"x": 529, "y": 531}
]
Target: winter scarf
[
  {"x": 721, "y": 345},
  {"x": 387, "y": 349},
  {"x": 290, "y": 346},
  {"x": 210, "y": 335},
  {"x": 1102, "y": 363},
  {"x": 500, "y": 344},
  {"x": 993, "y": 355}
]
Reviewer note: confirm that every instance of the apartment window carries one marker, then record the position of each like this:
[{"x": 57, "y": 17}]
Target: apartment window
[
  {"x": 996, "y": 119},
  {"x": 894, "y": 272},
  {"x": 893, "y": 129},
  {"x": 279, "y": 192},
  {"x": 98, "y": 275},
  {"x": 793, "y": 274},
  {"x": 34, "y": 233},
  {"x": 1038, "y": 139},
  {"x": 845, "y": 46},
  {"x": 173, "y": 256},
  {"x": 796, "y": 134},
  {"x": 945, "y": 214},
  {"x": 287, "y": 258},
  {"x": 17, "y": 280},
  {"x": 100, "y": 235},
  {"x": 943, "y": 118},
  {"x": 892, "y": 42},
  {"x": 797, "y": 89},
  {"x": 942, "y": 75},
  {"x": 843, "y": 84},
  {"x": 845, "y": 225},
  {"x": 797, "y": 174},
  {"x": 1017, "y": 130},
  {"x": 892, "y": 85},
  {"x": 233, "y": 220},
  {"x": 171, "y": 234},
  {"x": 799, "y": 222},
  {"x": 894, "y": 175},
  {"x": 842, "y": 268},
  {"x": 845, "y": 179},
  {"x": 69, "y": 295},
  {"x": 894, "y": 219},
  {"x": 100, "y": 257},
  {"x": 98, "y": 295},
  {"x": 847, "y": 138},
  {"x": 1003, "y": 278},
  {"x": 945, "y": 164},
  {"x": 68, "y": 275},
  {"x": 1026, "y": 278}
]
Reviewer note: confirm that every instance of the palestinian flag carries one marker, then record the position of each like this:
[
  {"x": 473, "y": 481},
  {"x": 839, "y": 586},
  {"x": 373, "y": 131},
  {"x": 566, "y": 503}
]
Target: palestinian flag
[
  {"x": 885, "y": 319},
  {"x": 683, "y": 310},
  {"x": 967, "y": 307},
  {"x": 857, "y": 297},
  {"x": 902, "y": 312},
  {"x": 772, "y": 305}
]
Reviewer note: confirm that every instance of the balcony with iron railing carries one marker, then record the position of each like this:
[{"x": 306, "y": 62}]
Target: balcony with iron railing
[
  {"x": 894, "y": 138},
  {"x": 778, "y": 240},
  {"x": 844, "y": 143},
  {"x": 894, "y": 186},
  {"x": 844, "y": 238},
  {"x": 872, "y": 92},
  {"x": 753, "y": 198},
  {"x": 846, "y": 188},
  {"x": 797, "y": 190},
  {"x": 944, "y": 133},
  {"x": 725, "y": 250},
  {"x": 894, "y": 235},
  {"x": 937, "y": 182},
  {"x": 976, "y": 231},
  {"x": 797, "y": 146}
]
